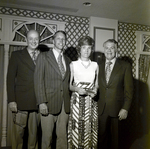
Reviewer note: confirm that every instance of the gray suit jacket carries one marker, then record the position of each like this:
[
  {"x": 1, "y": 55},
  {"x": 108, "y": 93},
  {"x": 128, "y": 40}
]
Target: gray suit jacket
[{"x": 50, "y": 88}]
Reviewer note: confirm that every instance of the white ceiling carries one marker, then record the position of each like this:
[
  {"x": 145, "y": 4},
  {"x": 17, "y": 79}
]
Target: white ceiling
[{"x": 130, "y": 11}]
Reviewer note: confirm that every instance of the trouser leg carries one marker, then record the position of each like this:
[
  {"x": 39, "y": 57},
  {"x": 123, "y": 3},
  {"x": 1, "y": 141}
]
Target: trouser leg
[
  {"x": 103, "y": 131},
  {"x": 17, "y": 137},
  {"x": 47, "y": 124},
  {"x": 114, "y": 133},
  {"x": 108, "y": 132},
  {"x": 32, "y": 130},
  {"x": 61, "y": 130},
  {"x": 18, "y": 131}
]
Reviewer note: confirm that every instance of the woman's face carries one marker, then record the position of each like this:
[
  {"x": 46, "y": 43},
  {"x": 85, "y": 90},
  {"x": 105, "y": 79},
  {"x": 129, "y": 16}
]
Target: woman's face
[{"x": 85, "y": 51}]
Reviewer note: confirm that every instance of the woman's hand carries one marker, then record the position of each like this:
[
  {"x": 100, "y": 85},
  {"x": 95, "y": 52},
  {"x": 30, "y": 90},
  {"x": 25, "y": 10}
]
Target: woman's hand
[
  {"x": 92, "y": 92},
  {"x": 81, "y": 91}
]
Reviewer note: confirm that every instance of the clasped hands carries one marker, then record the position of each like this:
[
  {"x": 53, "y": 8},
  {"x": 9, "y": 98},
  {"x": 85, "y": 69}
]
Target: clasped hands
[{"x": 89, "y": 92}]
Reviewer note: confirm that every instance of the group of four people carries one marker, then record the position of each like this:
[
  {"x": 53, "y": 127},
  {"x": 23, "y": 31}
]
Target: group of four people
[{"x": 41, "y": 91}]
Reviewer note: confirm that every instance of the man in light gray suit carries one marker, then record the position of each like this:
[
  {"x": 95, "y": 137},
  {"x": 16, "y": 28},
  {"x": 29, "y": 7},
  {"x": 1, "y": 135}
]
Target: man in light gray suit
[{"x": 52, "y": 92}]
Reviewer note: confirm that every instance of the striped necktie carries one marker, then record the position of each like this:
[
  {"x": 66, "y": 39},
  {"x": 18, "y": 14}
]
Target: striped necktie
[
  {"x": 108, "y": 71},
  {"x": 61, "y": 66},
  {"x": 34, "y": 56}
]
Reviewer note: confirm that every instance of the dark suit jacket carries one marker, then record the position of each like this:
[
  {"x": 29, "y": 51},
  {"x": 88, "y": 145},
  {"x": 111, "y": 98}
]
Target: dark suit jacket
[
  {"x": 117, "y": 94},
  {"x": 50, "y": 88},
  {"x": 20, "y": 80}
]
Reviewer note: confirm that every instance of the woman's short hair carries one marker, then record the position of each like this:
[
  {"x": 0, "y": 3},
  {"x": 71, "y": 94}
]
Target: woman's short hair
[{"x": 85, "y": 40}]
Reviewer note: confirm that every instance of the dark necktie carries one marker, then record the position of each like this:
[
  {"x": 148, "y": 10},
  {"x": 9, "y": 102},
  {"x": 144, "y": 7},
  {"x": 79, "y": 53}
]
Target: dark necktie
[
  {"x": 108, "y": 71},
  {"x": 61, "y": 66}
]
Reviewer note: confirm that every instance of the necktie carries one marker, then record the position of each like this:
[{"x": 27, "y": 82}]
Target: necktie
[
  {"x": 61, "y": 66},
  {"x": 34, "y": 56},
  {"x": 108, "y": 71}
]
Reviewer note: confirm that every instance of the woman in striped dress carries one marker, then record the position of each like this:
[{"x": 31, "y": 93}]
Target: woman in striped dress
[{"x": 83, "y": 122}]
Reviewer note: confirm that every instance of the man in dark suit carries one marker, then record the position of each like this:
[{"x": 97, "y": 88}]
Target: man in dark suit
[
  {"x": 115, "y": 95},
  {"x": 52, "y": 92},
  {"x": 21, "y": 94}
]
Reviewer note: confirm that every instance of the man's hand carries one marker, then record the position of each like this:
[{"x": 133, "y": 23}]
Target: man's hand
[
  {"x": 123, "y": 114},
  {"x": 43, "y": 109},
  {"x": 13, "y": 106}
]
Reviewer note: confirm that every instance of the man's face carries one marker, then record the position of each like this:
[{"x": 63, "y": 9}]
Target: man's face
[
  {"x": 32, "y": 40},
  {"x": 110, "y": 50},
  {"x": 59, "y": 41}
]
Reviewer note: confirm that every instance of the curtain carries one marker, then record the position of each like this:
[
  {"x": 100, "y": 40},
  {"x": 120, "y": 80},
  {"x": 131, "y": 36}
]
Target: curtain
[{"x": 144, "y": 66}]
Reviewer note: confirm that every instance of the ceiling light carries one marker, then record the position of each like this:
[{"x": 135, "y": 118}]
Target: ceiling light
[{"x": 87, "y": 4}]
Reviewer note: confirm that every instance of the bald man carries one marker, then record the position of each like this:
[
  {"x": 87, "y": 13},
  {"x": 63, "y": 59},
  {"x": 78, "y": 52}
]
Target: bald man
[{"x": 20, "y": 90}]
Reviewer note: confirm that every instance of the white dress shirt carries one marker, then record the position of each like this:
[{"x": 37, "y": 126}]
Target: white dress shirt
[{"x": 56, "y": 54}]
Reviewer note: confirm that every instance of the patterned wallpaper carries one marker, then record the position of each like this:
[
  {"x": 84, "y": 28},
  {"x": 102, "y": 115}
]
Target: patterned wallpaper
[
  {"x": 127, "y": 41},
  {"x": 75, "y": 26}
]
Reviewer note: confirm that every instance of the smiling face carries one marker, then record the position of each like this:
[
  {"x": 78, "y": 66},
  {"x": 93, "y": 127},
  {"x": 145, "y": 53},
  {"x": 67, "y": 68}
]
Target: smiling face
[
  {"x": 85, "y": 51},
  {"x": 110, "y": 50},
  {"x": 59, "y": 41},
  {"x": 32, "y": 39}
]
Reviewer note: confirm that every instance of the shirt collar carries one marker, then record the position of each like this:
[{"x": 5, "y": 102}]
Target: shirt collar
[
  {"x": 31, "y": 51},
  {"x": 56, "y": 53},
  {"x": 113, "y": 60}
]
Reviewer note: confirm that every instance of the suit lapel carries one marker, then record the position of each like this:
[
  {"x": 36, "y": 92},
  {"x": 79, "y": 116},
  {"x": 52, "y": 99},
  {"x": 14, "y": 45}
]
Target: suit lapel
[
  {"x": 115, "y": 70},
  {"x": 103, "y": 74},
  {"x": 67, "y": 66},
  {"x": 52, "y": 60},
  {"x": 27, "y": 59}
]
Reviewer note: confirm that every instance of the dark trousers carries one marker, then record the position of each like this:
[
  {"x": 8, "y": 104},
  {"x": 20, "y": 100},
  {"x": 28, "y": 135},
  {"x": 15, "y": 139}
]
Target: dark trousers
[
  {"x": 108, "y": 131},
  {"x": 21, "y": 120},
  {"x": 48, "y": 125}
]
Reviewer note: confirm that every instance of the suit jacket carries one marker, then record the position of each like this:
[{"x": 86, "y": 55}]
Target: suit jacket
[
  {"x": 50, "y": 88},
  {"x": 117, "y": 94},
  {"x": 20, "y": 80}
]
